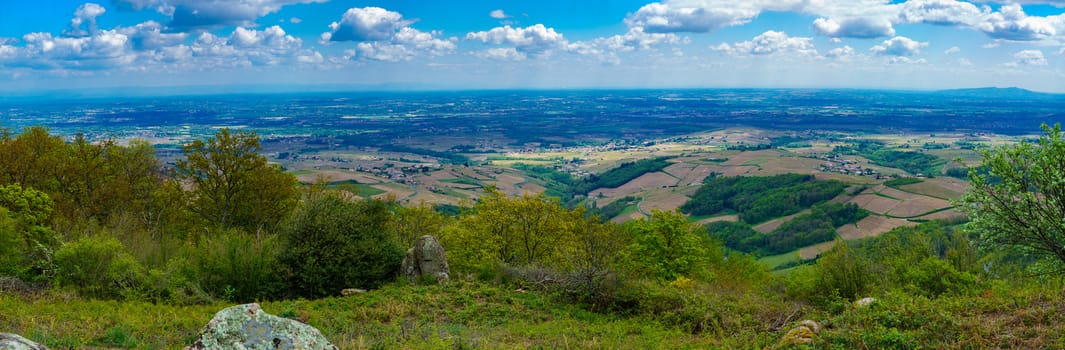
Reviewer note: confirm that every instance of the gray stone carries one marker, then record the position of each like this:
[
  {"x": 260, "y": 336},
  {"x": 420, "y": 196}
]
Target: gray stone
[
  {"x": 426, "y": 258},
  {"x": 10, "y": 341},
  {"x": 865, "y": 301},
  {"x": 249, "y": 327},
  {"x": 352, "y": 291}
]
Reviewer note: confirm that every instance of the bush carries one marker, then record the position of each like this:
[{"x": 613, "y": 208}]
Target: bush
[
  {"x": 98, "y": 267},
  {"x": 666, "y": 246},
  {"x": 842, "y": 273},
  {"x": 333, "y": 243},
  {"x": 933, "y": 277},
  {"x": 232, "y": 266}
]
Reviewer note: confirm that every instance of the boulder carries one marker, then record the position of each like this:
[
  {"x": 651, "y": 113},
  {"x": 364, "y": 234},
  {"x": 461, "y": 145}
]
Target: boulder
[
  {"x": 804, "y": 333},
  {"x": 863, "y": 302},
  {"x": 10, "y": 341},
  {"x": 249, "y": 327},
  {"x": 426, "y": 258},
  {"x": 352, "y": 291}
]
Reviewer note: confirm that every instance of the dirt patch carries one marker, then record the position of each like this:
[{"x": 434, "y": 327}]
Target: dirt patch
[
  {"x": 644, "y": 182},
  {"x": 940, "y": 187},
  {"x": 872, "y": 225},
  {"x": 664, "y": 200},
  {"x": 875, "y": 203},
  {"x": 918, "y": 206},
  {"x": 729, "y": 218},
  {"x": 952, "y": 214},
  {"x": 813, "y": 251},
  {"x": 771, "y": 225}
]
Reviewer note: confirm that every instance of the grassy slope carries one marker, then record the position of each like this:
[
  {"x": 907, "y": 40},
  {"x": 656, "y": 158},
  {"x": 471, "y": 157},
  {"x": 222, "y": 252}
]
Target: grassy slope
[{"x": 478, "y": 315}]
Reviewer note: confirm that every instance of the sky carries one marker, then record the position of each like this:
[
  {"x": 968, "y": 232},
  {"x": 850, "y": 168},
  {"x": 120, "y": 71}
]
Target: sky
[{"x": 297, "y": 45}]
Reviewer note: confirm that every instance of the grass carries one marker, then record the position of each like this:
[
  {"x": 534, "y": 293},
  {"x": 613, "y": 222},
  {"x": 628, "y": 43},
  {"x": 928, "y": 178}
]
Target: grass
[
  {"x": 773, "y": 261},
  {"x": 364, "y": 190},
  {"x": 469, "y": 314}
]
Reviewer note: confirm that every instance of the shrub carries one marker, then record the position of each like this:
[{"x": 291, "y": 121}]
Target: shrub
[
  {"x": 933, "y": 277},
  {"x": 666, "y": 245},
  {"x": 841, "y": 271},
  {"x": 333, "y": 243},
  {"x": 98, "y": 267},
  {"x": 231, "y": 265}
]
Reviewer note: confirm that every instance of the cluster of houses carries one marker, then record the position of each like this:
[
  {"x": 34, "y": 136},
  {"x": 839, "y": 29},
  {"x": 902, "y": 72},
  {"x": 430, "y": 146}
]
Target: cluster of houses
[{"x": 834, "y": 163}]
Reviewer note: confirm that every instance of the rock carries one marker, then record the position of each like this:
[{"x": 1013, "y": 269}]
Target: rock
[
  {"x": 249, "y": 327},
  {"x": 352, "y": 291},
  {"x": 863, "y": 302},
  {"x": 798, "y": 335},
  {"x": 426, "y": 258},
  {"x": 10, "y": 341},
  {"x": 812, "y": 325}
]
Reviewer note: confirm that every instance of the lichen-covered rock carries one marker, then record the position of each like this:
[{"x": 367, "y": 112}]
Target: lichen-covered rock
[
  {"x": 812, "y": 325},
  {"x": 426, "y": 258},
  {"x": 865, "y": 301},
  {"x": 10, "y": 341},
  {"x": 798, "y": 335},
  {"x": 249, "y": 327}
]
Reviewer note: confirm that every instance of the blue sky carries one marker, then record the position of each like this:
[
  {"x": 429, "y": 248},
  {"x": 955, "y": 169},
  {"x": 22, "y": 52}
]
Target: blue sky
[{"x": 237, "y": 45}]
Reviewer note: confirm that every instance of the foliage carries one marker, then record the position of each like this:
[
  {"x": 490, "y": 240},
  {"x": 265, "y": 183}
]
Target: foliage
[
  {"x": 815, "y": 227},
  {"x": 842, "y": 273},
  {"x": 665, "y": 246},
  {"x": 228, "y": 266},
  {"x": 232, "y": 184},
  {"x": 615, "y": 208},
  {"x": 1020, "y": 201},
  {"x": 759, "y": 199},
  {"x": 98, "y": 267},
  {"x": 520, "y": 231},
  {"x": 621, "y": 175},
  {"x": 332, "y": 243},
  {"x": 411, "y": 222},
  {"x": 902, "y": 181},
  {"x": 911, "y": 162}
]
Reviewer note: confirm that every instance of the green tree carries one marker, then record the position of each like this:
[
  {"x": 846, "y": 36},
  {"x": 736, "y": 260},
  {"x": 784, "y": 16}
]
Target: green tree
[
  {"x": 1020, "y": 201},
  {"x": 412, "y": 222},
  {"x": 518, "y": 231},
  {"x": 666, "y": 246},
  {"x": 334, "y": 243},
  {"x": 233, "y": 185}
]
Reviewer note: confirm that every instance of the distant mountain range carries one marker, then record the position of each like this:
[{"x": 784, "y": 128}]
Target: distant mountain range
[{"x": 996, "y": 92}]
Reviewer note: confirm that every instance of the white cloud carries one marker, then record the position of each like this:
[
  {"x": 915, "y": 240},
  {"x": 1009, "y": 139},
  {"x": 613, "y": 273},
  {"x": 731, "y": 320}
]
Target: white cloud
[
  {"x": 536, "y": 40},
  {"x": 384, "y": 35},
  {"x": 941, "y": 12},
  {"x": 1011, "y": 23},
  {"x": 771, "y": 42},
  {"x": 295, "y": 20},
  {"x": 700, "y": 16},
  {"x": 854, "y": 27},
  {"x": 367, "y": 24},
  {"x": 899, "y": 46},
  {"x": 840, "y": 52},
  {"x": 85, "y": 15},
  {"x": 1028, "y": 58},
  {"x": 187, "y": 14},
  {"x": 150, "y": 36},
  {"x": 501, "y": 53},
  {"x": 952, "y": 50},
  {"x": 498, "y": 14}
]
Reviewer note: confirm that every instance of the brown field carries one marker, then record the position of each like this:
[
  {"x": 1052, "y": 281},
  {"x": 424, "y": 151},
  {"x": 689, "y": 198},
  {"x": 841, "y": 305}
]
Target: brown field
[
  {"x": 901, "y": 195},
  {"x": 645, "y": 181},
  {"x": 813, "y": 251},
  {"x": 341, "y": 175},
  {"x": 663, "y": 200},
  {"x": 623, "y": 218},
  {"x": 918, "y": 206},
  {"x": 771, "y": 225},
  {"x": 872, "y": 225},
  {"x": 788, "y": 164},
  {"x": 731, "y": 218},
  {"x": 940, "y": 187},
  {"x": 400, "y": 191},
  {"x": 753, "y": 158},
  {"x": 744, "y": 170},
  {"x": 875, "y": 203},
  {"x": 530, "y": 188},
  {"x": 944, "y": 215}
]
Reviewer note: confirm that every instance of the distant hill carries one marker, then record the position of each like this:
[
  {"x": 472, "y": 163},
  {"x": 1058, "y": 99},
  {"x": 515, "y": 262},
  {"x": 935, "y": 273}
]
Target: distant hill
[{"x": 996, "y": 92}]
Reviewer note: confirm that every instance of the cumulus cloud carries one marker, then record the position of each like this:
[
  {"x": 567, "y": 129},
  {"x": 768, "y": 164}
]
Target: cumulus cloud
[
  {"x": 854, "y": 28},
  {"x": 384, "y": 35},
  {"x": 536, "y": 40},
  {"x": 941, "y": 12},
  {"x": 85, "y": 15},
  {"x": 501, "y": 53},
  {"x": 841, "y": 52},
  {"x": 367, "y": 24},
  {"x": 1028, "y": 58},
  {"x": 702, "y": 15},
  {"x": 1011, "y": 23},
  {"x": 196, "y": 14},
  {"x": 771, "y": 42},
  {"x": 150, "y": 36},
  {"x": 498, "y": 14},
  {"x": 952, "y": 50},
  {"x": 899, "y": 46}
]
